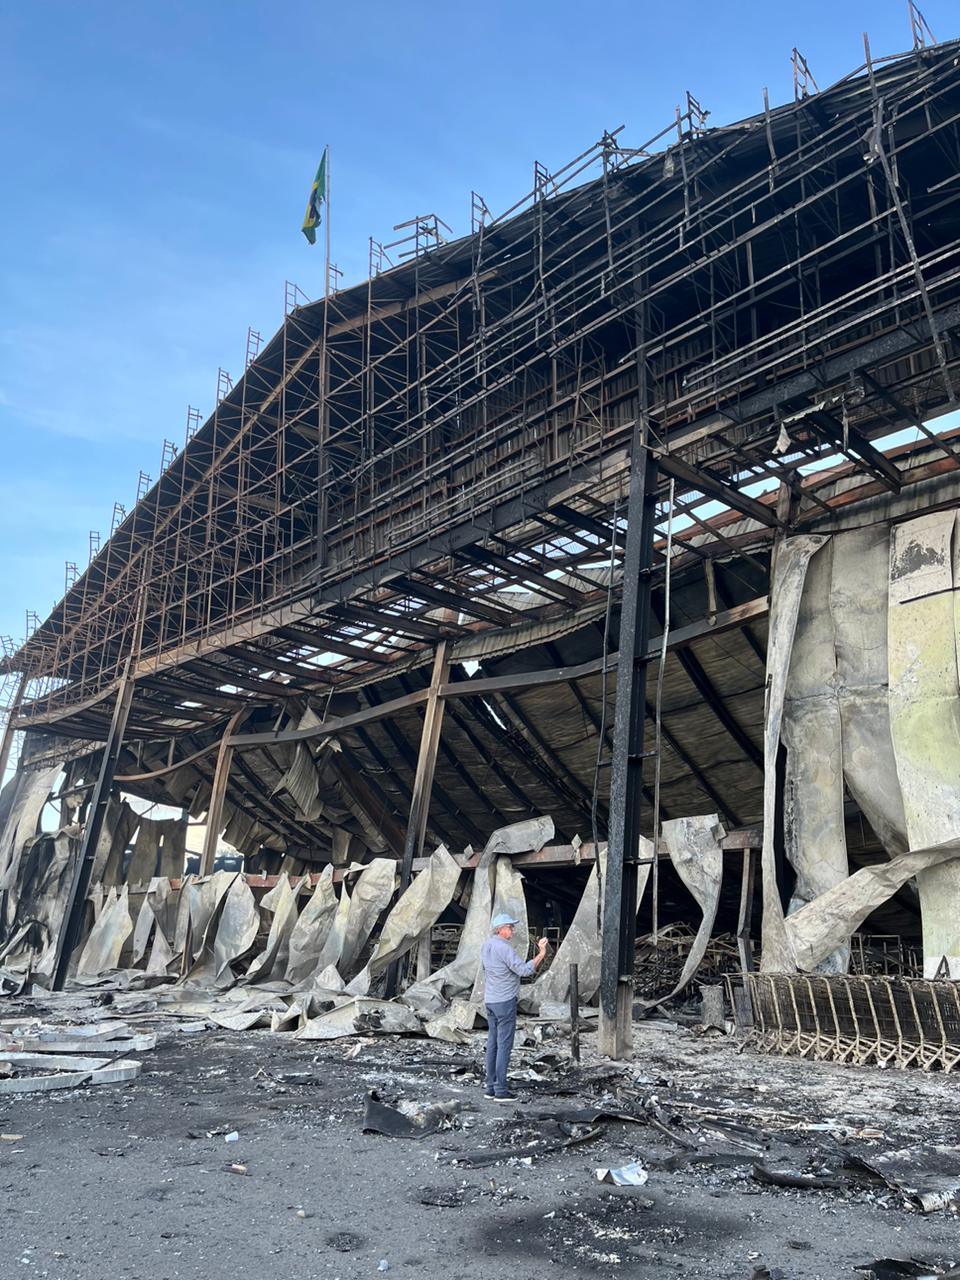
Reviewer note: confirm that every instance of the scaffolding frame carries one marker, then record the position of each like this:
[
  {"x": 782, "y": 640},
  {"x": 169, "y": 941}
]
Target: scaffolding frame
[{"x": 405, "y": 452}]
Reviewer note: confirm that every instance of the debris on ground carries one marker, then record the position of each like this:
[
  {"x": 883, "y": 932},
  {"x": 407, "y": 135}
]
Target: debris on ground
[
  {"x": 628, "y": 1175},
  {"x": 394, "y": 1122},
  {"x": 729, "y": 1151}
]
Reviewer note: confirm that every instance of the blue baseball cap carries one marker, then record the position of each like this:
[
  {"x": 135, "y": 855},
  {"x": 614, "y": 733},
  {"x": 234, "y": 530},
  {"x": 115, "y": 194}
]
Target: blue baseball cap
[{"x": 499, "y": 921}]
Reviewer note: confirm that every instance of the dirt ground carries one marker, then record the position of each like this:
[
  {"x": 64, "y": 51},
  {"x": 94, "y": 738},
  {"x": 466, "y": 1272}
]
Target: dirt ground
[{"x": 133, "y": 1181}]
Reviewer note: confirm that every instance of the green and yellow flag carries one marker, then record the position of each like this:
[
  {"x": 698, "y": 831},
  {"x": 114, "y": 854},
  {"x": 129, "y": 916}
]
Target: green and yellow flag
[{"x": 318, "y": 193}]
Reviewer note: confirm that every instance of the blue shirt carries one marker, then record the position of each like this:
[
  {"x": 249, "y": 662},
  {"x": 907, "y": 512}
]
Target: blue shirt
[{"x": 502, "y": 971}]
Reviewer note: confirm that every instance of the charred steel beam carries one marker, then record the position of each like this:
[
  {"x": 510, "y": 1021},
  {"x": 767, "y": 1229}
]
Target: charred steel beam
[
  {"x": 856, "y": 360},
  {"x": 221, "y": 777},
  {"x": 505, "y": 514},
  {"x": 422, "y": 786},
  {"x": 906, "y": 417},
  {"x": 682, "y": 755},
  {"x": 335, "y": 724},
  {"x": 559, "y": 527},
  {"x": 580, "y": 520},
  {"x": 618, "y": 941},
  {"x": 712, "y": 486},
  {"x": 71, "y": 928},
  {"x": 724, "y": 598},
  {"x": 397, "y": 623},
  {"x": 325, "y": 644},
  {"x": 6, "y": 742},
  {"x": 402, "y": 786},
  {"x": 554, "y": 653},
  {"x": 369, "y": 797},
  {"x": 724, "y": 807},
  {"x": 254, "y": 791},
  {"x": 522, "y": 573},
  {"x": 451, "y": 600},
  {"x": 855, "y": 445},
  {"x": 678, "y": 638}
]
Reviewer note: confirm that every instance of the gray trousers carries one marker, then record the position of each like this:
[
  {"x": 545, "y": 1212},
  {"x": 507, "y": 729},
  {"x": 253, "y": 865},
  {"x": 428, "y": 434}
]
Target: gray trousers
[{"x": 501, "y": 1028}]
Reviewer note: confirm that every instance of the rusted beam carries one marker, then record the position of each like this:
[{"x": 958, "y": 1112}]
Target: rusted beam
[
  {"x": 426, "y": 764},
  {"x": 221, "y": 776},
  {"x": 8, "y": 728}
]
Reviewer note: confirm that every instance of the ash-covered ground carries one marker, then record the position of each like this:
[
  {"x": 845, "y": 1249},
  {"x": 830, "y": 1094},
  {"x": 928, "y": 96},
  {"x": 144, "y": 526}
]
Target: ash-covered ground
[{"x": 138, "y": 1181}]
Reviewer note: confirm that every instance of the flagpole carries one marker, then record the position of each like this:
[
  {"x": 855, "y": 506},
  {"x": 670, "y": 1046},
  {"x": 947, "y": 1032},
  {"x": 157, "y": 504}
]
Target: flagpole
[
  {"x": 322, "y": 405},
  {"x": 326, "y": 211}
]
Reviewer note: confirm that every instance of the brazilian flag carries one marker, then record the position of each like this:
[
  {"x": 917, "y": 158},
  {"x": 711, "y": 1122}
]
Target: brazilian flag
[{"x": 318, "y": 193}]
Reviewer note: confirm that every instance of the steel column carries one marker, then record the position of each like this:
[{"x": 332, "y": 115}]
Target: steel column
[
  {"x": 422, "y": 783},
  {"x": 72, "y": 924},
  {"x": 626, "y": 776},
  {"x": 426, "y": 763},
  {"x": 221, "y": 776}
]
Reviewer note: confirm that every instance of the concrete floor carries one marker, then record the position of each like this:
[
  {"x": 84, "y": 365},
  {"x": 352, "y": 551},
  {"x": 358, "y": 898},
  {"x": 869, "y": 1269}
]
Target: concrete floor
[{"x": 123, "y": 1181}]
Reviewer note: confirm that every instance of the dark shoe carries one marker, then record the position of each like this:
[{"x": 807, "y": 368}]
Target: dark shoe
[
  {"x": 488, "y": 1093},
  {"x": 506, "y": 1097}
]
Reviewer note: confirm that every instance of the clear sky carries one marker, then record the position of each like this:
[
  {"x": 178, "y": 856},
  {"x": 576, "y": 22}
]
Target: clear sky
[{"x": 157, "y": 156}]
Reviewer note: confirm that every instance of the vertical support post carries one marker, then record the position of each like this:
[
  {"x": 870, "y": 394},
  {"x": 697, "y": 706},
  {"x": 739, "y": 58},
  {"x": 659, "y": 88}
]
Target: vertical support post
[
  {"x": 745, "y": 917},
  {"x": 424, "y": 957},
  {"x": 422, "y": 786},
  {"x": 221, "y": 776},
  {"x": 7, "y": 741},
  {"x": 72, "y": 923},
  {"x": 626, "y": 779},
  {"x": 426, "y": 763},
  {"x": 574, "y": 1013}
]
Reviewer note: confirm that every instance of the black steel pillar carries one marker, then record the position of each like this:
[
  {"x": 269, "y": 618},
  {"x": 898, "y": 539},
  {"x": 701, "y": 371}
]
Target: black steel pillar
[
  {"x": 626, "y": 776},
  {"x": 76, "y": 901}
]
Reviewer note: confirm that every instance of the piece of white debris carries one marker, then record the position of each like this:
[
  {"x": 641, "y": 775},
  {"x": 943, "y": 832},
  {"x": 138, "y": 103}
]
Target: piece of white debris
[{"x": 629, "y": 1175}]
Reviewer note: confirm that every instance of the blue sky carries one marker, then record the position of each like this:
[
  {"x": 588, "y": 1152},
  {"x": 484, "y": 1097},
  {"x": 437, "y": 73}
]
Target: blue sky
[{"x": 157, "y": 157}]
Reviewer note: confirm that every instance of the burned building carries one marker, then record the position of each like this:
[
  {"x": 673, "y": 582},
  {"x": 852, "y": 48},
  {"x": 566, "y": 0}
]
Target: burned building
[{"x": 628, "y": 513}]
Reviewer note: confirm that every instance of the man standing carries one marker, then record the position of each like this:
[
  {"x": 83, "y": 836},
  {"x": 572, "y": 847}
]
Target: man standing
[{"x": 502, "y": 971}]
